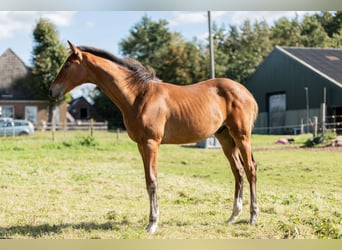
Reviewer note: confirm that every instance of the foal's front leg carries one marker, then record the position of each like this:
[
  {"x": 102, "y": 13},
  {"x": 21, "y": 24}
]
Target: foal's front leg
[{"x": 149, "y": 152}]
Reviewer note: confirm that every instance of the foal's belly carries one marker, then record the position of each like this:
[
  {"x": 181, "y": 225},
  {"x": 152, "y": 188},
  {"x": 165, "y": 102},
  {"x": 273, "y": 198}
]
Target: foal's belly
[{"x": 182, "y": 133}]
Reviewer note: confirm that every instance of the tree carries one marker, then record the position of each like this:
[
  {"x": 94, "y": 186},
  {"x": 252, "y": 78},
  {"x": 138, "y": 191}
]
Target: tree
[
  {"x": 182, "y": 62},
  {"x": 240, "y": 52},
  {"x": 337, "y": 23},
  {"x": 337, "y": 39},
  {"x": 286, "y": 33},
  {"x": 330, "y": 21},
  {"x": 174, "y": 59},
  {"x": 221, "y": 51},
  {"x": 147, "y": 42},
  {"x": 325, "y": 18},
  {"x": 47, "y": 57},
  {"x": 332, "y": 25},
  {"x": 196, "y": 62},
  {"x": 255, "y": 45},
  {"x": 231, "y": 49},
  {"x": 313, "y": 34}
]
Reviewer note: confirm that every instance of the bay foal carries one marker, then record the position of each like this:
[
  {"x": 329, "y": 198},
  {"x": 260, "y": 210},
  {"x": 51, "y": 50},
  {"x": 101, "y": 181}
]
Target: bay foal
[{"x": 157, "y": 113}]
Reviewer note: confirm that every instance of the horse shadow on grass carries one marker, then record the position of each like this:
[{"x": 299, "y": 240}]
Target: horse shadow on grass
[
  {"x": 242, "y": 222},
  {"x": 46, "y": 229},
  {"x": 38, "y": 231}
]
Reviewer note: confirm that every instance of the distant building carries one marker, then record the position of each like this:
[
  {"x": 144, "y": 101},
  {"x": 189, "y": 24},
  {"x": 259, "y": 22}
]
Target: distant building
[
  {"x": 291, "y": 84},
  {"x": 80, "y": 109},
  {"x": 14, "y": 101}
]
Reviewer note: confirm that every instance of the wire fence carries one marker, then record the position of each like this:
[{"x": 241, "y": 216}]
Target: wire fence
[{"x": 332, "y": 123}]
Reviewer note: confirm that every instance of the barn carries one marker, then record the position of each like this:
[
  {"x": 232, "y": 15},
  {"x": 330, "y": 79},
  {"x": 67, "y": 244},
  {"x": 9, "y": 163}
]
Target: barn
[{"x": 294, "y": 85}]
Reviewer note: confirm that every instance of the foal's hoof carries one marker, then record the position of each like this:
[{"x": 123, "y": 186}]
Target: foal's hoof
[
  {"x": 232, "y": 219},
  {"x": 151, "y": 227},
  {"x": 253, "y": 220},
  {"x": 235, "y": 214}
]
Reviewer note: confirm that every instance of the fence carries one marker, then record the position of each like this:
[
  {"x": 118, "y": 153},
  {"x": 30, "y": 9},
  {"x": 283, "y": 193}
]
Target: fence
[
  {"x": 332, "y": 123},
  {"x": 79, "y": 125}
]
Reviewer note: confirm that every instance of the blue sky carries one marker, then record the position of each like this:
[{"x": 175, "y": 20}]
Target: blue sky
[{"x": 105, "y": 29}]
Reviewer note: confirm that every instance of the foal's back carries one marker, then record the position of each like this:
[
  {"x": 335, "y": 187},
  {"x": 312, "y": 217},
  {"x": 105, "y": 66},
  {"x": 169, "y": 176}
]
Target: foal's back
[{"x": 193, "y": 112}]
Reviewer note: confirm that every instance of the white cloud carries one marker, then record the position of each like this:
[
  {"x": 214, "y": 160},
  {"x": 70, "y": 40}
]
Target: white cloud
[
  {"x": 184, "y": 18},
  {"x": 270, "y": 16},
  {"x": 237, "y": 17},
  {"x": 24, "y": 21},
  {"x": 181, "y": 18},
  {"x": 59, "y": 18}
]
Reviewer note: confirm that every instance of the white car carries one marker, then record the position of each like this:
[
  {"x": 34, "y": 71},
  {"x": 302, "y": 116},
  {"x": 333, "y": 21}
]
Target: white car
[{"x": 12, "y": 127}]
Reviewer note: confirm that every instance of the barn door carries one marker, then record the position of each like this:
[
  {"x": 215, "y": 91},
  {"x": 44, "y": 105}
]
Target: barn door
[{"x": 277, "y": 109}]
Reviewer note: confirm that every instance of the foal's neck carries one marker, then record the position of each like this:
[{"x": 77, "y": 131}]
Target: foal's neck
[{"x": 117, "y": 83}]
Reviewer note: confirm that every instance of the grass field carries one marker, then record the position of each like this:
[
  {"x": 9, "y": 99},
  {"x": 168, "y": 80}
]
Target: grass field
[{"x": 79, "y": 187}]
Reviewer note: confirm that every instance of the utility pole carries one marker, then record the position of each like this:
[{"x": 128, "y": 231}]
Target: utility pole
[
  {"x": 211, "y": 48},
  {"x": 307, "y": 107},
  {"x": 323, "y": 108},
  {"x": 211, "y": 141}
]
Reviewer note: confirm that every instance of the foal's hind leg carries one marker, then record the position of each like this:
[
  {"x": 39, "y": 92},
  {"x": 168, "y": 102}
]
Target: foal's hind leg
[
  {"x": 232, "y": 153},
  {"x": 242, "y": 139}
]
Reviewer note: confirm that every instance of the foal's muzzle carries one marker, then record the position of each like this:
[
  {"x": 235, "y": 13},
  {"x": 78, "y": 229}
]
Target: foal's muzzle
[{"x": 54, "y": 94}]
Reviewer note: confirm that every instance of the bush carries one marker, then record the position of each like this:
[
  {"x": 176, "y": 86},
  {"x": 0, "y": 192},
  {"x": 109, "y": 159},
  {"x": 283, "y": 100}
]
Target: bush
[
  {"x": 323, "y": 139},
  {"x": 88, "y": 141}
]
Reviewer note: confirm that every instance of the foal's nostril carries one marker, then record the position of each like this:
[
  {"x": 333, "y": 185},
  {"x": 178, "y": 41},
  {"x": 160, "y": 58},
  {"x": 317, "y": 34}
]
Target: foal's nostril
[{"x": 50, "y": 93}]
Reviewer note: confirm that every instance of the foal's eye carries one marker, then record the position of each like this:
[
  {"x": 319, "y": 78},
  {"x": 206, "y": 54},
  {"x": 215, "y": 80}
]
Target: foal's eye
[{"x": 67, "y": 65}]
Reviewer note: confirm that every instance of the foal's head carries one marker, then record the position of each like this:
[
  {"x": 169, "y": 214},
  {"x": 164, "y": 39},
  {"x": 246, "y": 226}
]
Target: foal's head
[{"x": 71, "y": 75}]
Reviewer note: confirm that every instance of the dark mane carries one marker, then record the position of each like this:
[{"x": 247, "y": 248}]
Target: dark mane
[{"x": 139, "y": 72}]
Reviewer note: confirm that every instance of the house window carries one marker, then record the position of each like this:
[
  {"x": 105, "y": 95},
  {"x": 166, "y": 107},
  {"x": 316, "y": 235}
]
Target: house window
[
  {"x": 56, "y": 115},
  {"x": 31, "y": 113},
  {"x": 7, "y": 111}
]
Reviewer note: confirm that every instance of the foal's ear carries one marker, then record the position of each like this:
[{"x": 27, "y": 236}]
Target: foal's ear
[{"x": 75, "y": 50}]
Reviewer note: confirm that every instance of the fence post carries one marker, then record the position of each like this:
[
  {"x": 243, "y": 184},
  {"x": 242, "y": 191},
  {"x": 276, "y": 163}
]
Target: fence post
[
  {"x": 53, "y": 125},
  {"x": 301, "y": 126},
  {"x": 323, "y": 117},
  {"x": 117, "y": 134},
  {"x": 315, "y": 124},
  {"x": 91, "y": 123}
]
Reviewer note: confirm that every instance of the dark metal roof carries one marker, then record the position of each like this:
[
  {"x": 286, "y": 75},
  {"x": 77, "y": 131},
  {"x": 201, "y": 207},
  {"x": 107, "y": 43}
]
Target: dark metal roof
[{"x": 326, "y": 62}]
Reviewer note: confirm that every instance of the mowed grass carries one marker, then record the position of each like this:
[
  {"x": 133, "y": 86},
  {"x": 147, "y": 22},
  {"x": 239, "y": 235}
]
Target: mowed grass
[{"x": 79, "y": 187}]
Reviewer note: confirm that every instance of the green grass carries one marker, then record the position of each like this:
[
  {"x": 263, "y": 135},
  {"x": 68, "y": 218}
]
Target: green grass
[{"x": 81, "y": 187}]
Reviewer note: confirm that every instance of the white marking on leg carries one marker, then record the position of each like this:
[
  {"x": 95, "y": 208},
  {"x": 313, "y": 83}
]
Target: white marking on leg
[
  {"x": 154, "y": 212},
  {"x": 254, "y": 212},
  {"x": 237, "y": 208},
  {"x": 152, "y": 227}
]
